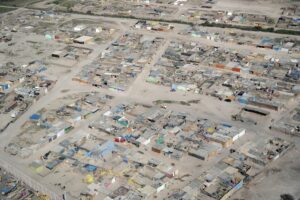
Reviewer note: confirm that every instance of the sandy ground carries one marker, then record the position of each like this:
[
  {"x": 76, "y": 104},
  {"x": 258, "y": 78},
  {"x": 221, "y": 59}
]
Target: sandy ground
[{"x": 284, "y": 172}]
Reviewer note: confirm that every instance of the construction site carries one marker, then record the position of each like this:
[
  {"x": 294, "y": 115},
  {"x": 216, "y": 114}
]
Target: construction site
[{"x": 149, "y": 99}]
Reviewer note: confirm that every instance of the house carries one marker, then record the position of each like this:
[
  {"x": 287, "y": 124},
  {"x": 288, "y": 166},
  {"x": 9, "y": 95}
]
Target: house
[
  {"x": 146, "y": 138},
  {"x": 57, "y": 54},
  {"x": 157, "y": 148},
  {"x": 205, "y": 151},
  {"x": 83, "y": 40},
  {"x": 58, "y": 130}
]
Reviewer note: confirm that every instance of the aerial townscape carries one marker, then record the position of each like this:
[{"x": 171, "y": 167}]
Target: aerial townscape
[{"x": 149, "y": 100}]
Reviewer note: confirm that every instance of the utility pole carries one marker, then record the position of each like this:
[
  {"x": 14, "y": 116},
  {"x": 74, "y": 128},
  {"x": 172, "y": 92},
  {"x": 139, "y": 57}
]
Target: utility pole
[{"x": 65, "y": 196}]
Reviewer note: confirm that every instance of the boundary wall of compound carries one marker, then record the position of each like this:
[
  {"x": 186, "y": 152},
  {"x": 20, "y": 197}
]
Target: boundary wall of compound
[{"x": 21, "y": 176}]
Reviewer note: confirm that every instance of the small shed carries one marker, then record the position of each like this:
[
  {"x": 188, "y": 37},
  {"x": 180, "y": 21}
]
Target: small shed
[{"x": 35, "y": 117}]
